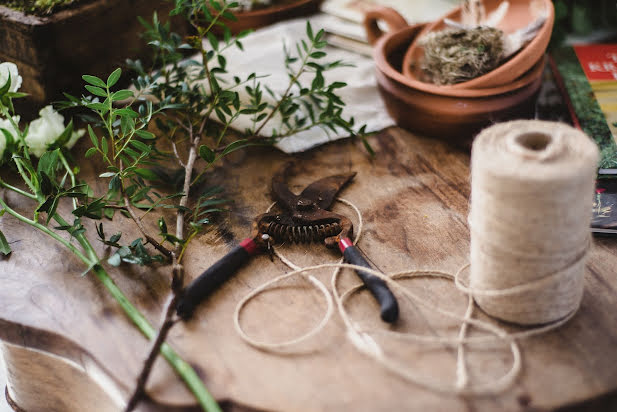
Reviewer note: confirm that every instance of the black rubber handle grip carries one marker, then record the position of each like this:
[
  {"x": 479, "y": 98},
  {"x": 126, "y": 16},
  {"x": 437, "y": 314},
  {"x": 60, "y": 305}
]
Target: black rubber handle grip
[
  {"x": 199, "y": 289},
  {"x": 377, "y": 287}
]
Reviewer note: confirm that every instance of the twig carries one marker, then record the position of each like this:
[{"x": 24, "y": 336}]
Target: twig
[
  {"x": 142, "y": 229},
  {"x": 117, "y": 207},
  {"x": 140, "y": 225},
  {"x": 187, "y": 185},
  {"x": 167, "y": 323},
  {"x": 177, "y": 284},
  {"x": 173, "y": 144}
]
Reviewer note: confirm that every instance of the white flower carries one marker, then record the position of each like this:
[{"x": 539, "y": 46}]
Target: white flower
[
  {"x": 7, "y": 68},
  {"x": 46, "y": 129},
  {"x": 8, "y": 126}
]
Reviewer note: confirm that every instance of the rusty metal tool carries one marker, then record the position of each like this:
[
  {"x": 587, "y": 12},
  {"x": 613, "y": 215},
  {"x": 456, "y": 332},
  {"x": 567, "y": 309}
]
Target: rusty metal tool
[{"x": 304, "y": 218}]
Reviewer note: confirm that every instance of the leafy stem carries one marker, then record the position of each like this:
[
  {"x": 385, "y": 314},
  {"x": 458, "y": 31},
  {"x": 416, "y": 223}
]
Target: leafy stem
[
  {"x": 45, "y": 230},
  {"x": 17, "y": 190}
]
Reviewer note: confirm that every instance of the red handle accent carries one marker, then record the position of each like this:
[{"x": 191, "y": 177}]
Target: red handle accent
[
  {"x": 344, "y": 243},
  {"x": 250, "y": 246}
]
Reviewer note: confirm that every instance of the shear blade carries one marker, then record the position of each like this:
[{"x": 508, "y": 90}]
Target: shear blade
[{"x": 322, "y": 192}]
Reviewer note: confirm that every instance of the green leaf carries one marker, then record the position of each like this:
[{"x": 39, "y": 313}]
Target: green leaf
[
  {"x": 5, "y": 248},
  {"x": 115, "y": 183},
  {"x": 318, "y": 54},
  {"x": 206, "y": 153},
  {"x": 233, "y": 146},
  {"x": 121, "y": 95},
  {"x": 113, "y": 77},
  {"x": 93, "y": 138},
  {"x": 90, "y": 152},
  {"x": 337, "y": 85},
  {"x": 127, "y": 111},
  {"x": 47, "y": 187},
  {"x": 162, "y": 225},
  {"x": 5, "y": 87},
  {"x": 17, "y": 95},
  {"x": 103, "y": 108},
  {"x": 147, "y": 174},
  {"x": 115, "y": 238},
  {"x": 107, "y": 174},
  {"x": 104, "y": 146},
  {"x": 126, "y": 124},
  {"x": 97, "y": 91},
  {"x": 309, "y": 30},
  {"x": 213, "y": 41},
  {"x": 144, "y": 134},
  {"x": 8, "y": 136},
  {"x": 144, "y": 148},
  {"x": 368, "y": 147},
  {"x": 48, "y": 163},
  {"x": 93, "y": 80}
]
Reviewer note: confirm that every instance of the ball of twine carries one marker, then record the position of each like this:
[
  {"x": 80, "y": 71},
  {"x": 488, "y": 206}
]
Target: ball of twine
[{"x": 532, "y": 186}]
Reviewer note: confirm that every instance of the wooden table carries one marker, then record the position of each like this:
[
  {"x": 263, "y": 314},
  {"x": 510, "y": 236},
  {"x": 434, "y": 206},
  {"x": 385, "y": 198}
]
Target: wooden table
[{"x": 57, "y": 325}]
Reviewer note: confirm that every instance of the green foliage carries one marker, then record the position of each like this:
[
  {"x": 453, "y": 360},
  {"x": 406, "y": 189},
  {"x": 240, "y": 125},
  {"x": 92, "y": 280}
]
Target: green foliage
[
  {"x": 5, "y": 248},
  {"x": 183, "y": 109},
  {"x": 158, "y": 139},
  {"x": 39, "y": 7},
  {"x": 580, "y": 17}
]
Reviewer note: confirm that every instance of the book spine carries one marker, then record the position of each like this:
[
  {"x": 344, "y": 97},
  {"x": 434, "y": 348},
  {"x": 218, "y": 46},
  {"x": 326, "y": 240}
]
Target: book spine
[{"x": 583, "y": 106}]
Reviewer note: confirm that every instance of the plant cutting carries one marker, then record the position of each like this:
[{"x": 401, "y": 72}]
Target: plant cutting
[{"x": 157, "y": 142}]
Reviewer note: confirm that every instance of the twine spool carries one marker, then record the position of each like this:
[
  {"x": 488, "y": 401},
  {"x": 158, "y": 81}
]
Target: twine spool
[{"x": 532, "y": 186}]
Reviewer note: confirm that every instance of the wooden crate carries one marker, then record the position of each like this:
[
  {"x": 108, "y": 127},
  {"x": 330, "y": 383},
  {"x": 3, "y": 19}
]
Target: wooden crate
[{"x": 92, "y": 38}]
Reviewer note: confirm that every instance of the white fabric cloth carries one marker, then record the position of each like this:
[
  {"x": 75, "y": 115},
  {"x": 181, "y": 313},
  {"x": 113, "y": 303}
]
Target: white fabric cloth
[{"x": 264, "y": 55}]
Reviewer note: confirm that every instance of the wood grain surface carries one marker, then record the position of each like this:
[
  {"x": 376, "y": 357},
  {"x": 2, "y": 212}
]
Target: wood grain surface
[{"x": 414, "y": 199}]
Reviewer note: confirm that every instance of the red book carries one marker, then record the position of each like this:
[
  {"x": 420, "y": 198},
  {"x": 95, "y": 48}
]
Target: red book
[{"x": 599, "y": 61}]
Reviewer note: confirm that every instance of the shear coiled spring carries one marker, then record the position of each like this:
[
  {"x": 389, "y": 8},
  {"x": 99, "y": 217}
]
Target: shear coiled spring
[{"x": 302, "y": 234}]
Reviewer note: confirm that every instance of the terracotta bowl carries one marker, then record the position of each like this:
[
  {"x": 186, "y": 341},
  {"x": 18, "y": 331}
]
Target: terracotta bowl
[
  {"x": 519, "y": 15},
  {"x": 402, "y": 35},
  {"x": 270, "y": 15},
  {"x": 456, "y": 118}
]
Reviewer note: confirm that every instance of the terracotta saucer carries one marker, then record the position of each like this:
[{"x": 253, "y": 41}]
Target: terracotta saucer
[
  {"x": 398, "y": 41},
  {"x": 270, "y": 15},
  {"x": 520, "y": 14},
  {"x": 456, "y": 118}
]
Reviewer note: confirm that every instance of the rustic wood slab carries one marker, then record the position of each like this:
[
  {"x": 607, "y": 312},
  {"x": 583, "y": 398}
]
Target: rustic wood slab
[{"x": 414, "y": 199}]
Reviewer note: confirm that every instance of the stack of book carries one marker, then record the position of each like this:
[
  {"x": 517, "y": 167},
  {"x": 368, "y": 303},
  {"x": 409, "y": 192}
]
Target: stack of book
[
  {"x": 587, "y": 77},
  {"x": 343, "y": 18}
]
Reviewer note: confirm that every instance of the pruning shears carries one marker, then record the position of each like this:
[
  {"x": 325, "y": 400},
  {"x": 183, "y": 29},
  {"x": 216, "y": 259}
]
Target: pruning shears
[{"x": 304, "y": 218}]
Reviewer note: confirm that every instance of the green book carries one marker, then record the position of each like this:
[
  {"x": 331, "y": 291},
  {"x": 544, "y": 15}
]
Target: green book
[{"x": 582, "y": 73}]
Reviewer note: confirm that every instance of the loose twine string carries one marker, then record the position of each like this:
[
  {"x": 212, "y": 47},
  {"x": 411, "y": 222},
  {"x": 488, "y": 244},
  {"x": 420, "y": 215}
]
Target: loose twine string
[
  {"x": 364, "y": 342},
  {"x": 526, "y": 267}
]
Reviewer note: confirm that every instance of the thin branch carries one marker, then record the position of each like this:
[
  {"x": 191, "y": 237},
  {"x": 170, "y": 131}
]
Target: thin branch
[
  {"x": 187, "y": 185},
  {"x": 140, "y": 225},
  {"x": 117, "y": 207},
  {"x": 292, "y": 81},
  {"x": 173, "y": 144},
  {"x": 17, "y": 190},
  {"x": 168, "y": 321},
  {"x": 142, "y": 229},
  {"x": 177, "y": 284}
]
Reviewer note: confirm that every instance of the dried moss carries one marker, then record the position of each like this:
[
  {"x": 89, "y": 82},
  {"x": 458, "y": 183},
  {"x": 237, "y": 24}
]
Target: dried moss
[
  {"x": 39, "y": 7},
  {"x": 457, "y": 55}
]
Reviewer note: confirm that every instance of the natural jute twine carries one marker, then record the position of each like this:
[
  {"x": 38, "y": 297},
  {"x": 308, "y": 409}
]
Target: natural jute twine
[
  {"x": 532, "y": 186},
  {"x": 529, "y": 142}
]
